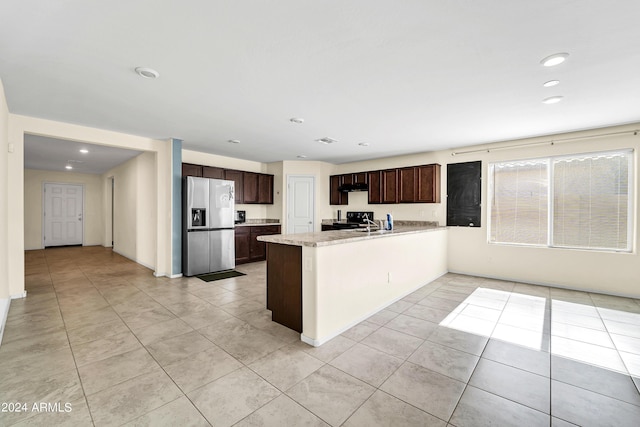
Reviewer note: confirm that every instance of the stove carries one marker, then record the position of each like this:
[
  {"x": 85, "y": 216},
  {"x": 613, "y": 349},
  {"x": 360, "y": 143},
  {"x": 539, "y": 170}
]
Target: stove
[{"x": 354, "y": 220}]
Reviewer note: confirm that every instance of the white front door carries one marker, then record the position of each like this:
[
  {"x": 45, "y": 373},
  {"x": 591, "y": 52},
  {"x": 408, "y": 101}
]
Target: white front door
[
  {"x": 300, "y": 204},
  {"x": 62, "y": 214}
]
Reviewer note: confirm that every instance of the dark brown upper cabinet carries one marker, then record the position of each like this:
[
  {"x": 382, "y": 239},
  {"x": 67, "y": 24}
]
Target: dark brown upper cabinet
[
  {"x": 428, "y": 183},
  {"x": 355, "y": 178},
  {"x": 407, "y": 185},
  {"x": 237, "y": 178},
  {"x": 212, "y": 172},
  {"x": 265, "y": 189},
  {"x": 258, "y": 188},
  {"x": 189, "y": 169},
  {"x": 375, "y": 187},
  {"x": 250, "y": 187},
  {"x": 337, "y": 197},
  {"x": 390, "y": 186}
]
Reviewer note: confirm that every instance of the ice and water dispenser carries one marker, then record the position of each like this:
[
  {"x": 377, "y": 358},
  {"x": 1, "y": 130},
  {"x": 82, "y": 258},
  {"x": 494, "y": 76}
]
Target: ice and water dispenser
[{"x": 198, "y": 217}]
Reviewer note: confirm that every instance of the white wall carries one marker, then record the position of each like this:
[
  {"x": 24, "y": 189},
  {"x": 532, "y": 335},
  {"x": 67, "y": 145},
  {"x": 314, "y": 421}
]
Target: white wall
[
  {"x": 253, "y": 211},
  {"x": 4, "y": 224},
  {"x": 469, "y": 251},
  {"x": 134, "y": 208},
  {"x": 275, "y": 210},
  {"x": 93, "y": 206}
]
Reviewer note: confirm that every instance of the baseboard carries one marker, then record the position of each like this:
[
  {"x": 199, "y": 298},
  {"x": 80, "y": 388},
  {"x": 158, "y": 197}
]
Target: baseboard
[
  {"x": 310, "y": 341},
  {"x": 4, "y": 312},
  {"x": 22, "y": 295},
  {"x": 150, "y": 267},
  {"x": 175, "y": 276},
  {"x": 319, "y": 342}
]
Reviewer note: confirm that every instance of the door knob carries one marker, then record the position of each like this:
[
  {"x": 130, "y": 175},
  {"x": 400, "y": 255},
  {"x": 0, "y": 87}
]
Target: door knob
[{"x": 310, "y": 222}]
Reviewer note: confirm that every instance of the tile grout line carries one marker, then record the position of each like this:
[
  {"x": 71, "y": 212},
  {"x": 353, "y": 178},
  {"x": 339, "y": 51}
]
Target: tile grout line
[{"x": 73, "y": 355}]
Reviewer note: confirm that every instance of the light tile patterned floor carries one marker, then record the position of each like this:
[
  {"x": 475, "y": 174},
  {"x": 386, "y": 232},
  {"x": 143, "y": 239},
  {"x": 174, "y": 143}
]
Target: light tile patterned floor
[{"x": 122, "y": 347}]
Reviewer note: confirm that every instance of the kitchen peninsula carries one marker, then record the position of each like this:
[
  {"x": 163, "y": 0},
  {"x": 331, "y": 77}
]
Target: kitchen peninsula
[{"x": 321, "y": 284}]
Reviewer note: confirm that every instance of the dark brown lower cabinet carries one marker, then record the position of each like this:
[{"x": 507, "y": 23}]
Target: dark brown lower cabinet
[
  {"x": 284, "y": 285},
  {"x": 248, "y": 248},
  {"x": 258, "y": 249},
  {"x": 243, "y": 244}
]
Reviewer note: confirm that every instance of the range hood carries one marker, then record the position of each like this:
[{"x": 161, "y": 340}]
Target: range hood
[{"x": 347, "y": 188}]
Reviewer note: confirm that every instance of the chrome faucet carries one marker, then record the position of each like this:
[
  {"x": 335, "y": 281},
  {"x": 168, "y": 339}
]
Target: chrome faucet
[{"x": 369, "y": 223}]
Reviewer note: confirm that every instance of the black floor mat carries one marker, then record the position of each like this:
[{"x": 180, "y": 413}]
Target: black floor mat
[{"x": 210, "y": 277}]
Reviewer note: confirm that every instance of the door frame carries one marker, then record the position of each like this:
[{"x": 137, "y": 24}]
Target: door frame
[
  {"x": 289, "y": 199},
  {"x": 109, "y": 212},
  {"x": 44, "y": 206}
]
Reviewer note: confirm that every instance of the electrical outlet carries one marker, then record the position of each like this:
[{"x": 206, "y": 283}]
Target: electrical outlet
[
  {"x": 389, "y": 277},
  {"x": 421, "y": 213}
]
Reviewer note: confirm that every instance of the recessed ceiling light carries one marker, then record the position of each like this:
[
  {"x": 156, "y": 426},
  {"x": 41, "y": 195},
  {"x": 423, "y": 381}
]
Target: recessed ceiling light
[
  {"x": 555, "y": 59},
  {"x": 84, "y": 151},
  {"x": 326, "y": 140},
  {"x": 301, "y": 156},
  {"x": 297, "y": 120},
  {"x": 551, "y": 83},
  {"x": 147, "y": 73},
  {"x": 552, "y": 99},
  {"x": 363, "y": 144},
  {"x": 234, "y": 141},
  {"x": 69, "y": 167}
]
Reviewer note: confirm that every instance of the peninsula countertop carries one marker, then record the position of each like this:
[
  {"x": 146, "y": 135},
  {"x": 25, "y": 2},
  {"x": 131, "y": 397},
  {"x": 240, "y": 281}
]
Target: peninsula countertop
[
  {"x": 258, "y": 222},
  {"x": 336, "y": 237}
]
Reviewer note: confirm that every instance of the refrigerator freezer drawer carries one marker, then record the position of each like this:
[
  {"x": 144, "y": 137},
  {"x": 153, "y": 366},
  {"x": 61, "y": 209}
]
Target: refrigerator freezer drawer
[
  {"x": 223, "y": 251},
  {"x": 199, "y": 254}
]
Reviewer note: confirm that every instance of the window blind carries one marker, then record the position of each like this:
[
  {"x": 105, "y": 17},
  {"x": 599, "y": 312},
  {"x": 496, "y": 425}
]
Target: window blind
[
  {"x": 520, "y": 202},
  {"x": 591, "y": 201},
  {"x": 580, "y": 201}
]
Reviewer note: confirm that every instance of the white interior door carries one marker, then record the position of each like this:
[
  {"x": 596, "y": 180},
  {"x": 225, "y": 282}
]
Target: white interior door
[
  {"x": 300, "y": 204},
  {"x": 63, "y": 205}
]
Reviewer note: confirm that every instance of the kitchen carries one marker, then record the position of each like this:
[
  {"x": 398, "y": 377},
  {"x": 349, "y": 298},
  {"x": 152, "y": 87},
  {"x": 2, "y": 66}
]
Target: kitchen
[{"x": 134, "y": 235}]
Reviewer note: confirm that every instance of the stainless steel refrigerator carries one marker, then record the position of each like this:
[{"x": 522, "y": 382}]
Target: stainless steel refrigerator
[{"x": 208, "y": 243}]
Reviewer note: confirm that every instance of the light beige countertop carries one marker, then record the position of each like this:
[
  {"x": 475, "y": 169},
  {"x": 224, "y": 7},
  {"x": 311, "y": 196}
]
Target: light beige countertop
[
  {"x": 336, "y": 237},
  {"x": 259, "y": 222}
]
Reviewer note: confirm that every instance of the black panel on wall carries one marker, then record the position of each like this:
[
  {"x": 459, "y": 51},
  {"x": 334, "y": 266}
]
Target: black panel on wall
[{"x": 463, "y": 194}]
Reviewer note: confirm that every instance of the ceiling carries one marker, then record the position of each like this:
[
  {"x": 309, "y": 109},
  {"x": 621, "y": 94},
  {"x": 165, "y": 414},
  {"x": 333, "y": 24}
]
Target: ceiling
[
  {"x": 55, "y": 154},
  {"x": 404, "y": 77}
]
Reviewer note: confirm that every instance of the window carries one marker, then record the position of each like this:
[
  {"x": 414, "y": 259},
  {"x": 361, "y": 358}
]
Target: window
[{"x": 579, "y": 201}]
